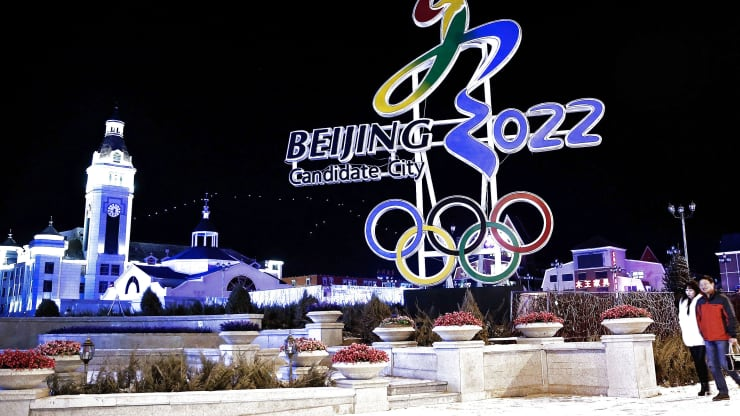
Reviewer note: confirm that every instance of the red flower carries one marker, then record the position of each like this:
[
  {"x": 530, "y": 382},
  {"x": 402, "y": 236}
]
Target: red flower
[
  {"x": 457, "y": 319},
  {"x": 357, "y": 353},
  {"x": 625, "y": 311},
  {"x": 59, "y": 347},
  {"x": 25, "y": 359},
  {"x": 307, "y": 344},
  {"x": 538, "y": 317}
]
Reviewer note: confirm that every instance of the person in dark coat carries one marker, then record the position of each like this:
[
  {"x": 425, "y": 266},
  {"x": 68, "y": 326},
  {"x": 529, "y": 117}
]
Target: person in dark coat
[
  {"x": 691, "y": 335},
  {"x": 718, "y": 326}
]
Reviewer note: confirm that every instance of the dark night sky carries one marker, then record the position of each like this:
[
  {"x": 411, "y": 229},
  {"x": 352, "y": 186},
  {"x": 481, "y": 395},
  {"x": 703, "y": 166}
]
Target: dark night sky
[{"x": 209, "y": 97}]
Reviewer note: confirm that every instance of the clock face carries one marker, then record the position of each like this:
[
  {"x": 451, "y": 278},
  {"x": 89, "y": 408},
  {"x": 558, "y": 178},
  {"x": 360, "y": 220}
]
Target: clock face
[{"x": 113, "y": 210}]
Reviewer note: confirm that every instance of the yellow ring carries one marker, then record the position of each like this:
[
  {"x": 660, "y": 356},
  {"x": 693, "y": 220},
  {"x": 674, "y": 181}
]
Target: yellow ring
[{"x": 408, "y": 274}]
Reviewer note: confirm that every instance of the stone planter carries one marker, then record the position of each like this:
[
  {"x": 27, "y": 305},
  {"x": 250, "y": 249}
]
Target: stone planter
[
  {"x": 238, "y": 337},
  {"x": 392, "y": 334},
  {"x": 324, "y": 316},
  {"x": 66, "y": 363},
  {"x": 457, "y": 332},
  {"x": 539, "y": 329},
  {"x": 16, "y": 379},
  {"x": 361, "y": 370},
  {"x": 623, "y": 326},
  {"x": 306, "y": 358}
]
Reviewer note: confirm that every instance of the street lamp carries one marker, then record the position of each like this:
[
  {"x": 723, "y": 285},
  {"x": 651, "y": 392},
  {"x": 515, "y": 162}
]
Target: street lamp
[
  {"x": 681, "y": 213},
  {"x": 289, "y": 346},
  {"x": 557, "y": 265},
  {"x": 725, "y": 277},
  {"x": 87, "y": 352}
]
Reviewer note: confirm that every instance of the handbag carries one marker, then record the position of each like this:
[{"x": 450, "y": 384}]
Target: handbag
[{"x": 733, "y": 357}]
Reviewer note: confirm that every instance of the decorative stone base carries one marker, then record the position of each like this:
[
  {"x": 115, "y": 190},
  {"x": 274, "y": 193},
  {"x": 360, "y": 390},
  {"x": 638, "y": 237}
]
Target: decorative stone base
[
  {"x": 238, "y": 352},
  {"x": 284, "y": 372}
]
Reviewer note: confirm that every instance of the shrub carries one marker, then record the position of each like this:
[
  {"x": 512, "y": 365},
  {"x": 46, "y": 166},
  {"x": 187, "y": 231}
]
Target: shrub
[
  {"x": 150, "y": 304},
  {"x": 538, "y": 317},
  {"x": 47, "y": 307},
  {"x": 239, "y": 326},
  {"x": 625, "y": 311},
  {"x": 239, "y": 301},
  {"x": 458, "y": 318},
  {"x": 357, "y": 353}
]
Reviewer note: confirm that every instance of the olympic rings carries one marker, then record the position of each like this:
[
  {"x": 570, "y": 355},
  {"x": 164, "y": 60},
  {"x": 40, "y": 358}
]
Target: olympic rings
[
  {"x": 484, "y": 278},
  {"x": 541, "y": 206},
  {"x": 449, "y": 263},
  {"x": 412, "y": 240},
  {"x": 372, "y": 220},
  {"x": 450, "y": 201}
]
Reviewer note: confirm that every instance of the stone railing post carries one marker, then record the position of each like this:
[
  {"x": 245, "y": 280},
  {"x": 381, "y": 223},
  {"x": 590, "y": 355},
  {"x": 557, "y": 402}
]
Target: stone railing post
[
  {"x": 630, "y": 365},
  {"x": 460, "y": 364}
]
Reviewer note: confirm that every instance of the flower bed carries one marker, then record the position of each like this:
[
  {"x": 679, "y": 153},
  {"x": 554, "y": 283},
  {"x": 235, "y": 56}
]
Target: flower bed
[
  {"x": 533, "y": 317},
  {"x": 625, "y": 311},
  {"x": 239, "y": 326},
  {"x": 25, "y": 359},
  {"x": 358, "y": 353},
  {"x": 459, "y": 318},
  {"x": 396, "y": 322},
  {"x": 59, "y": 347},
  {"x": 303, "y": 344}
]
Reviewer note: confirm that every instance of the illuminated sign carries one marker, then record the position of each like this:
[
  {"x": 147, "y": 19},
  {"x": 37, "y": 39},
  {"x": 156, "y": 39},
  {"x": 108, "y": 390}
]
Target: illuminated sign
[{"x": 474, "y": 139}]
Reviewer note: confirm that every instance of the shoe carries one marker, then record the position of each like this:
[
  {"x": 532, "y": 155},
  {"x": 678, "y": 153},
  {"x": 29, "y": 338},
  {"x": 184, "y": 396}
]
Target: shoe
[
  {"x": 721, "y": 396},
  {"x": 704, "y": 390}
]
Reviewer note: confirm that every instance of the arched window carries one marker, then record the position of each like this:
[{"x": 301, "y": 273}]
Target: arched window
[
  {"x": 241, "y": 281},
  {"x": 132, "y": 281}
]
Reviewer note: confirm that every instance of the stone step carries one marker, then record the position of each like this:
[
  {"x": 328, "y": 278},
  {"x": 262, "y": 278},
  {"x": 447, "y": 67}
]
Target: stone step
[
  {"x": 403, "y": 401},
  {"x": 405, "y": 386}
]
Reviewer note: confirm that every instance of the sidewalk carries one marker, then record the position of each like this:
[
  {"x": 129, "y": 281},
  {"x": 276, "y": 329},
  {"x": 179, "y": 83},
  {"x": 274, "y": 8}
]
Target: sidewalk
[{"x": 672, "y": 401}]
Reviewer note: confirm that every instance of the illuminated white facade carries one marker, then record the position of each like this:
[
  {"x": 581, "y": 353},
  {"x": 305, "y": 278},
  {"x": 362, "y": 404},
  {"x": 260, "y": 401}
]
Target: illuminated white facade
[{"x": 85, "y": 268}]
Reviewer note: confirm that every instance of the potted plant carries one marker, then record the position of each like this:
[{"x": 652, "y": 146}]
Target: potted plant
[
  {"x": 626, "y": 319},
  {"x": 321, "y": 312},
  {"x": 457, "y": 326},
  {"x": 308, "y": 352},
  {"x": 24, "y": 369},
  {"x": 66, "y": 354},
  {"x": 239, "y": 332},
  {"x": 359, "y": 361},
  {"x": 395, "y": 328},
  {"x": 538, "y": 324}
]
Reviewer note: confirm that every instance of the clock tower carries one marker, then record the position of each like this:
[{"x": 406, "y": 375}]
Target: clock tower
[{"x": 108, "y": 201}]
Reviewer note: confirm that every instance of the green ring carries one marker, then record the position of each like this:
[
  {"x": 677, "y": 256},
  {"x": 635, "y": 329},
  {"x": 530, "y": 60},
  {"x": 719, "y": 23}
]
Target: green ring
[{"x": 484, "y": 278}]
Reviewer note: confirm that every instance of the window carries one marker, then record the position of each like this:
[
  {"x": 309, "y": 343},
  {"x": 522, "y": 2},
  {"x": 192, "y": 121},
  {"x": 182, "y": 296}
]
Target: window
[
  {"x": 49, "y": 267},
  {"x": 115, "y": 269},
  {"x": 47, "y": 286},
  {"x": 102, "y": 286},
  {"x": 567, "y": 277},
  {"x": 105, "y": 269},
  {"x": 82, "y": 288}
]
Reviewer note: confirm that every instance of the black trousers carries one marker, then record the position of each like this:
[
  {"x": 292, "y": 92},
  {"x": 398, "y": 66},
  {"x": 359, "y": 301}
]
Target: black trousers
[{"x": 699, "y": 355}]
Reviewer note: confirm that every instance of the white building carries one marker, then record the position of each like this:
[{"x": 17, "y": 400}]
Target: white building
[
  {"x": 599, "y": 266},
  {"x": 98, "y": 261}
]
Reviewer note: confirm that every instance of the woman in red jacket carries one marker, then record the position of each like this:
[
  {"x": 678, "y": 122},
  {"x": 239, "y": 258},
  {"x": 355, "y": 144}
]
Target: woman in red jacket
[{"x": 717, "y": 324}]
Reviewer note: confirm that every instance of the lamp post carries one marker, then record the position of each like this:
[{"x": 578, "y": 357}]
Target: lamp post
[
  {"x": 557, "y": 265},
  {"x": 681, "y": 214},
  {"x": 87, "y": 352},
  {"x": 724, "y": 277},
  {"x": 290, "y": 349}
]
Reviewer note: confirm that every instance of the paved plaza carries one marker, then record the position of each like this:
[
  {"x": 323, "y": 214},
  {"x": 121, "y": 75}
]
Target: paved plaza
[{"x": 673, "y": 401}]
